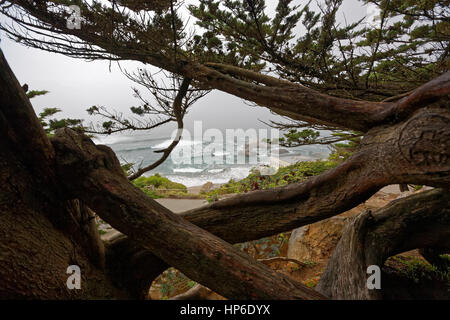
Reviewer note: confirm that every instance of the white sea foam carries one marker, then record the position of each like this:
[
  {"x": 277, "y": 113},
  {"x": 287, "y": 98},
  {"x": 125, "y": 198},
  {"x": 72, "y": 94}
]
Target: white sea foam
[
  {"x": 215, "y": 170},
  {"x": 212, "y": 175},
  {"x": 220, "y": 153},
  {"x": 182, "y": 143},
  {"x": 187, "y": 170},
  {"x": 110, "y": 139}
]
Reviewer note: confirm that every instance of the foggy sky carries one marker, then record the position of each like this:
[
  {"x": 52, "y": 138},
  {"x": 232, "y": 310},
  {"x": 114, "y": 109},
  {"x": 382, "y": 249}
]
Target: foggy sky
[{"x": 75, "y": 84}]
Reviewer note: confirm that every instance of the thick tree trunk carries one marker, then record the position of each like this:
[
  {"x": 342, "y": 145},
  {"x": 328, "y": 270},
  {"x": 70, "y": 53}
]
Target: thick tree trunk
[
  {"x": 131, "y": 267},
  {"x": 416, "y": 151},
  {"x": 413, "y": 151},
  {"x": 419, "y": 220},
  {"x": 42, "y": 232},
  {"x": 94, "y": 173},
  {"x": 402, "y": 153},
  {"x": 98, "y": 179}
]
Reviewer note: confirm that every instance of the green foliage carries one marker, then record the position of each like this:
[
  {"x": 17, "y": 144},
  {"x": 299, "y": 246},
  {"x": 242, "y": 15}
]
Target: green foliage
[
  {"x": 418, "y": 269},
  {"x": 64, "y": 123},
  {"x": 172, "y": 282},
  {"x": 127, "y": 167},
  {"x": 342, "y": 151},
  {"x": 154, "y": 185},
  {"x": 311, "y": 283},
  {"x": 151, "y": 193},
  {"x": 48, "y": 112},
  {"x": 158, "y": 182},
  {"x": 270, "y": 246},
  {"x": 34, "y": 93},
  {"x": 296, "y": 137},
  {"x": 285, "y": 175},
  {"x": 51, "y": 124},
  {"x": 92, "y": 110},
  {"x": 212, "y": 196},
  {"x": 310, "y": 263},
  {"x": 405, "y": 46},
  {"x": 107, "y": 125}
]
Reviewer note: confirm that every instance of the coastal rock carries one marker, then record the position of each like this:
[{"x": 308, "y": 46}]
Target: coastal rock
[
  {"x": 207, "y": 187},
  {"x": 317, "y": 241}
]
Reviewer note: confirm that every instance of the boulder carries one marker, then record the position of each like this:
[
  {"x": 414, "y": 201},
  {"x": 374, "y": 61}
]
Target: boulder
[
  {"x": 316, "y": 242},
  {"x": 207, "y": 187}
]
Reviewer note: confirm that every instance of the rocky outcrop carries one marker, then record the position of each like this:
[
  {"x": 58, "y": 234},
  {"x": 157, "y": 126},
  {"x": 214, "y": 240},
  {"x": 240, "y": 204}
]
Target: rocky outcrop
[
  {"x": 208, "y": 186},
  {"x": 316, "y": 242}
]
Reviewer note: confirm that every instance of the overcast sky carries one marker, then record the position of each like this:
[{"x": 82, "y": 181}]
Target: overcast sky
[{"x": 76, "y": 84}]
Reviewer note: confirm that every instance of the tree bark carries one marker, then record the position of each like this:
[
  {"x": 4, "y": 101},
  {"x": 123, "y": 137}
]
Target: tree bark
[
  {"x": 94, "y": 173},
  {"x": 42, "y": 232},
  {"x": 409, "y": 223},
  {"x": 416, "y": 151},
  {"x": 131, "y": 267},
  {"x": 97, "y": 178},
  {"x": 283, "y": 97},
  {"x": 402, "y": 145}
]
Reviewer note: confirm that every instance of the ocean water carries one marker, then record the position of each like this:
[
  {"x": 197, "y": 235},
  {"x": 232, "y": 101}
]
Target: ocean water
[{"x": 195, "y": 162}]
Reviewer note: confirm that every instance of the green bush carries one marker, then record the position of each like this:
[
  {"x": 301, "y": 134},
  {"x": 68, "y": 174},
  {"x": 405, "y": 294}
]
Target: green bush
[
  {"x": 290, "y": 174},
  {"x": 158, "y": 182},
  {"x": 153, "y": 186}
]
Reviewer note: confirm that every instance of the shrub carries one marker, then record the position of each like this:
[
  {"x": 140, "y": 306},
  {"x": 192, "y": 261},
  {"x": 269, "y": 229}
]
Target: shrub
[
  {"x": 154, "y": 186},
  {"x": 290, "y": 174},
  {"x": 158, "y": 182}
]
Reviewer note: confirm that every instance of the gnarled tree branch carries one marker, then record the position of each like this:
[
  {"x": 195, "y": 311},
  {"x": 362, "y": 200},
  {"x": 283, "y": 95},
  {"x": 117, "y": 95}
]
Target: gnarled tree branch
[
  {"x": 290, "y": 99},
  {"x": 97, "y": 179},
  {"x": 415, "y": 152},
  {"x": 403, "y": 225},
  {"x": 177, "y": 104}
]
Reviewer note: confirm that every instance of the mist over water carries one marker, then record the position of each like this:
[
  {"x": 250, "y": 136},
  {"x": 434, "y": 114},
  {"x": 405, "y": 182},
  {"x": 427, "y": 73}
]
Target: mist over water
[{"x": 196, "y": 168}]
